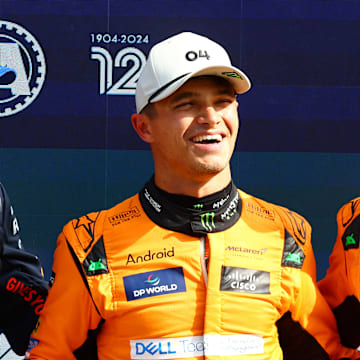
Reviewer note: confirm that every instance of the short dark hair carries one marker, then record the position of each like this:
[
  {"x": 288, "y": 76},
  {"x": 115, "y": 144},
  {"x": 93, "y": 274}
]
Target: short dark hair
[{"x": 149, "y": 110}]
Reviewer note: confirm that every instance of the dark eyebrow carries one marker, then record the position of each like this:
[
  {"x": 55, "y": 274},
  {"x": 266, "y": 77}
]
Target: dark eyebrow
[
  {"x": 227, "y": 91},
  {"x": 182, "y": 96},
  {"x": 188, "y": 94}
]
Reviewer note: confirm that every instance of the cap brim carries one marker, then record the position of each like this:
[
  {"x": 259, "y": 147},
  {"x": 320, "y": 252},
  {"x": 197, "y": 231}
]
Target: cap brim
[{"x": 236, "y": 77}]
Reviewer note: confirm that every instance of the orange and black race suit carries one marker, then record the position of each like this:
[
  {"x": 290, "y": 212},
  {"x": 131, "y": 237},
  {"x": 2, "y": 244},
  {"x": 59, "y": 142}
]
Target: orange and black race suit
[
  {"x": 171, "y": 277},
  {"x": 341, "y": 286}
]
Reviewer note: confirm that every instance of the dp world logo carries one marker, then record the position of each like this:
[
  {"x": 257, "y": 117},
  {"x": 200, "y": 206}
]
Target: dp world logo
[
  {"x": 152, "y": 281},
  {"x": 22, "y": 68}
]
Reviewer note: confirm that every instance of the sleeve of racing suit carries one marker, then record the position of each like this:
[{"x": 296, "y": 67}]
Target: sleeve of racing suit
[
  {"x": 340, "y": 284},
  {"x": 310, "y": 310},
  {"x": 69, "y": 312},
  {"x": 310, "y": 323},
  {"x": 336, "y": 274}
]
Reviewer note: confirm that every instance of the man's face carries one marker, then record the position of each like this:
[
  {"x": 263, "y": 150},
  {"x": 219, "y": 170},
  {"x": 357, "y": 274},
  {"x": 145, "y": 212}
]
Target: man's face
[{"x": 194, "y": 130}]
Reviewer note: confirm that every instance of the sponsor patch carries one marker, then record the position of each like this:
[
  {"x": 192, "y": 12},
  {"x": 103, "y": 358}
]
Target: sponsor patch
[
  {"x": 232, "y": 74},
  {"x": 150, "y": 255},
  {"x": 232, "y": 208},
  {"x": 196, "y": 346},
  {"x": 293, "y": 255},
  {"x": 243, "y": 251},
  {"x": 208, "y": 221},
  {"x": 221, "y": 202},
  {"x": 243, "y": 280},
  {"x": 124, "y": 216},
  {"x": 96, "y": 263},
  {"x": 350, "y": 238},
  {"x": 154, "y": 283},
  {"x": 260, "y": 211},
  {"x": 156, "y": 206}
]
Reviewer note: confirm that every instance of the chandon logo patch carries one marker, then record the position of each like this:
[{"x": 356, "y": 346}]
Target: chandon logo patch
[{"x": 249, "y": 281}]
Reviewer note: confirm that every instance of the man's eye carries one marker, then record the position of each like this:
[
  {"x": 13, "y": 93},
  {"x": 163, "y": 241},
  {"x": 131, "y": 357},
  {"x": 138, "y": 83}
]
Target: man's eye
[
  {"x": 225, "y": 101},
  {"x": 184, "y": 105}
]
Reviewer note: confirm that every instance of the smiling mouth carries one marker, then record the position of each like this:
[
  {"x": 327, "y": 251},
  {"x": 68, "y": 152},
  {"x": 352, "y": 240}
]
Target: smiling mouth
[{"x": 207, "y": 139}]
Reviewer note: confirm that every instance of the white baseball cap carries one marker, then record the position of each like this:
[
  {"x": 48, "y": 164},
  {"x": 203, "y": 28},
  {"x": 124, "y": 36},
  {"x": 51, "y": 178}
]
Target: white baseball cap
[{"x": 175, "y": 60}]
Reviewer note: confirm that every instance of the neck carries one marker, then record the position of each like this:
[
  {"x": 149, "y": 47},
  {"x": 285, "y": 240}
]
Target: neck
[
  {"x": 202, "y": 185},
  {"x": 187, "y": 214}
]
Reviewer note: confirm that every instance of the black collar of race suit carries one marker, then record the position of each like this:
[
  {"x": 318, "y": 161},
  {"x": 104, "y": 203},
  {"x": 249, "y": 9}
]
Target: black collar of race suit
[{"x": 190, "y": 215}]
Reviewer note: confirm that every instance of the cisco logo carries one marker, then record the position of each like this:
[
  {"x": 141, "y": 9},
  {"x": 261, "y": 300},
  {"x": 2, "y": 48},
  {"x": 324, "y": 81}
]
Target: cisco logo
[
  {"x": 243, "y": 280},
  {"x": 22, "y": 68}
]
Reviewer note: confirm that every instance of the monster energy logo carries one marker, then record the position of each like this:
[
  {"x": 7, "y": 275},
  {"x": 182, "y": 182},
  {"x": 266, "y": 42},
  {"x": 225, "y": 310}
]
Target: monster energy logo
[
  {"x": 207, "y": 221},
  {"x": 198, "y": 206},
  {"x": 232, "y": 74}
]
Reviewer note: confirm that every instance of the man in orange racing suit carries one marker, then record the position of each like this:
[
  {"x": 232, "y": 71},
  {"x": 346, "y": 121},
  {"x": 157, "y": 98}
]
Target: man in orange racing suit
[
  {"x": 190, "y": 267},
  {"x": 340, "y": 286}
]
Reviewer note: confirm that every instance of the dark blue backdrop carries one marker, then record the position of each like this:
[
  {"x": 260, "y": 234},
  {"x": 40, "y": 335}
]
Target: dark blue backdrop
[{"x": 73, "y": 150}]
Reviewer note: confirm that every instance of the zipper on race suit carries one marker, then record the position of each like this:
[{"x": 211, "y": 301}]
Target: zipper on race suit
[{"x": 204, "y": 257}]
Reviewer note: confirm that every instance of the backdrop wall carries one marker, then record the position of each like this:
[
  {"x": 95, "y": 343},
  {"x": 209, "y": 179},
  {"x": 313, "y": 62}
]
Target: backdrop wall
[{"x": 67, "y": 77}]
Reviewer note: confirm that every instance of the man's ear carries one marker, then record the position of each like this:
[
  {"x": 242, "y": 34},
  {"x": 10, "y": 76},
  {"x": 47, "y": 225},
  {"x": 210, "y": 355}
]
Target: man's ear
[{"x": 142, "y": 125}]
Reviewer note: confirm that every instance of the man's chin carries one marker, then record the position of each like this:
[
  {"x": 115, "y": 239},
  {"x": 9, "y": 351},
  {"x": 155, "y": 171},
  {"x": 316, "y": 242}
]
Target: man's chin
[{"x": 210, "y": 168}]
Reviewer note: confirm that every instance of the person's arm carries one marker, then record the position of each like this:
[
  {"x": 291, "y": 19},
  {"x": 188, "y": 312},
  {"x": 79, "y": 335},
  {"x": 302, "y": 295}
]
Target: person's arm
[
  {"x": 340, "y": 286},
  {"x": 69, "y": 315},
  {"x": 23, "y": 289},
  {"x": 309, "y": 323},
  {"x": 312, "y": 312}
]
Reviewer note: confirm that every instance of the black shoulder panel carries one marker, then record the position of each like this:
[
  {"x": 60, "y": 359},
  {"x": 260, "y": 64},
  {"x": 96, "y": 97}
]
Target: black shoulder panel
[
  {"x": 350, "y": 238},
  {"x": 293, "y": 254},
  {"x": 96, "y": 263}
]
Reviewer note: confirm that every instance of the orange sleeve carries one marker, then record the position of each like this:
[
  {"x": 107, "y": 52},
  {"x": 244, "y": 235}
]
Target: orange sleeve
[
  {"x": 338, "y": 281},
  {"x": 307, "y": 305},
  {"x": 312, "y": 311},
  {"x": 68, "y": 314},
  {"x": 334, "y": 286},
  {"x": 300, "y": 230}
]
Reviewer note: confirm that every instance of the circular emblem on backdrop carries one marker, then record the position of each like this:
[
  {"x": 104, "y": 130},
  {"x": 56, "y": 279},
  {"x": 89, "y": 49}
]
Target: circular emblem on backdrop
[{"x": 22, "y": 68}]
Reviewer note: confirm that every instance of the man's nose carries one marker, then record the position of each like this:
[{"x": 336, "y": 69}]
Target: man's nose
[{"x": 208, "y": 115}]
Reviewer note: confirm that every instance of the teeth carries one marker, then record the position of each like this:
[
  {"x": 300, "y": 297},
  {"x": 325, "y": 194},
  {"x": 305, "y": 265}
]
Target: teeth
[{"x": 201, "y": 138}]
